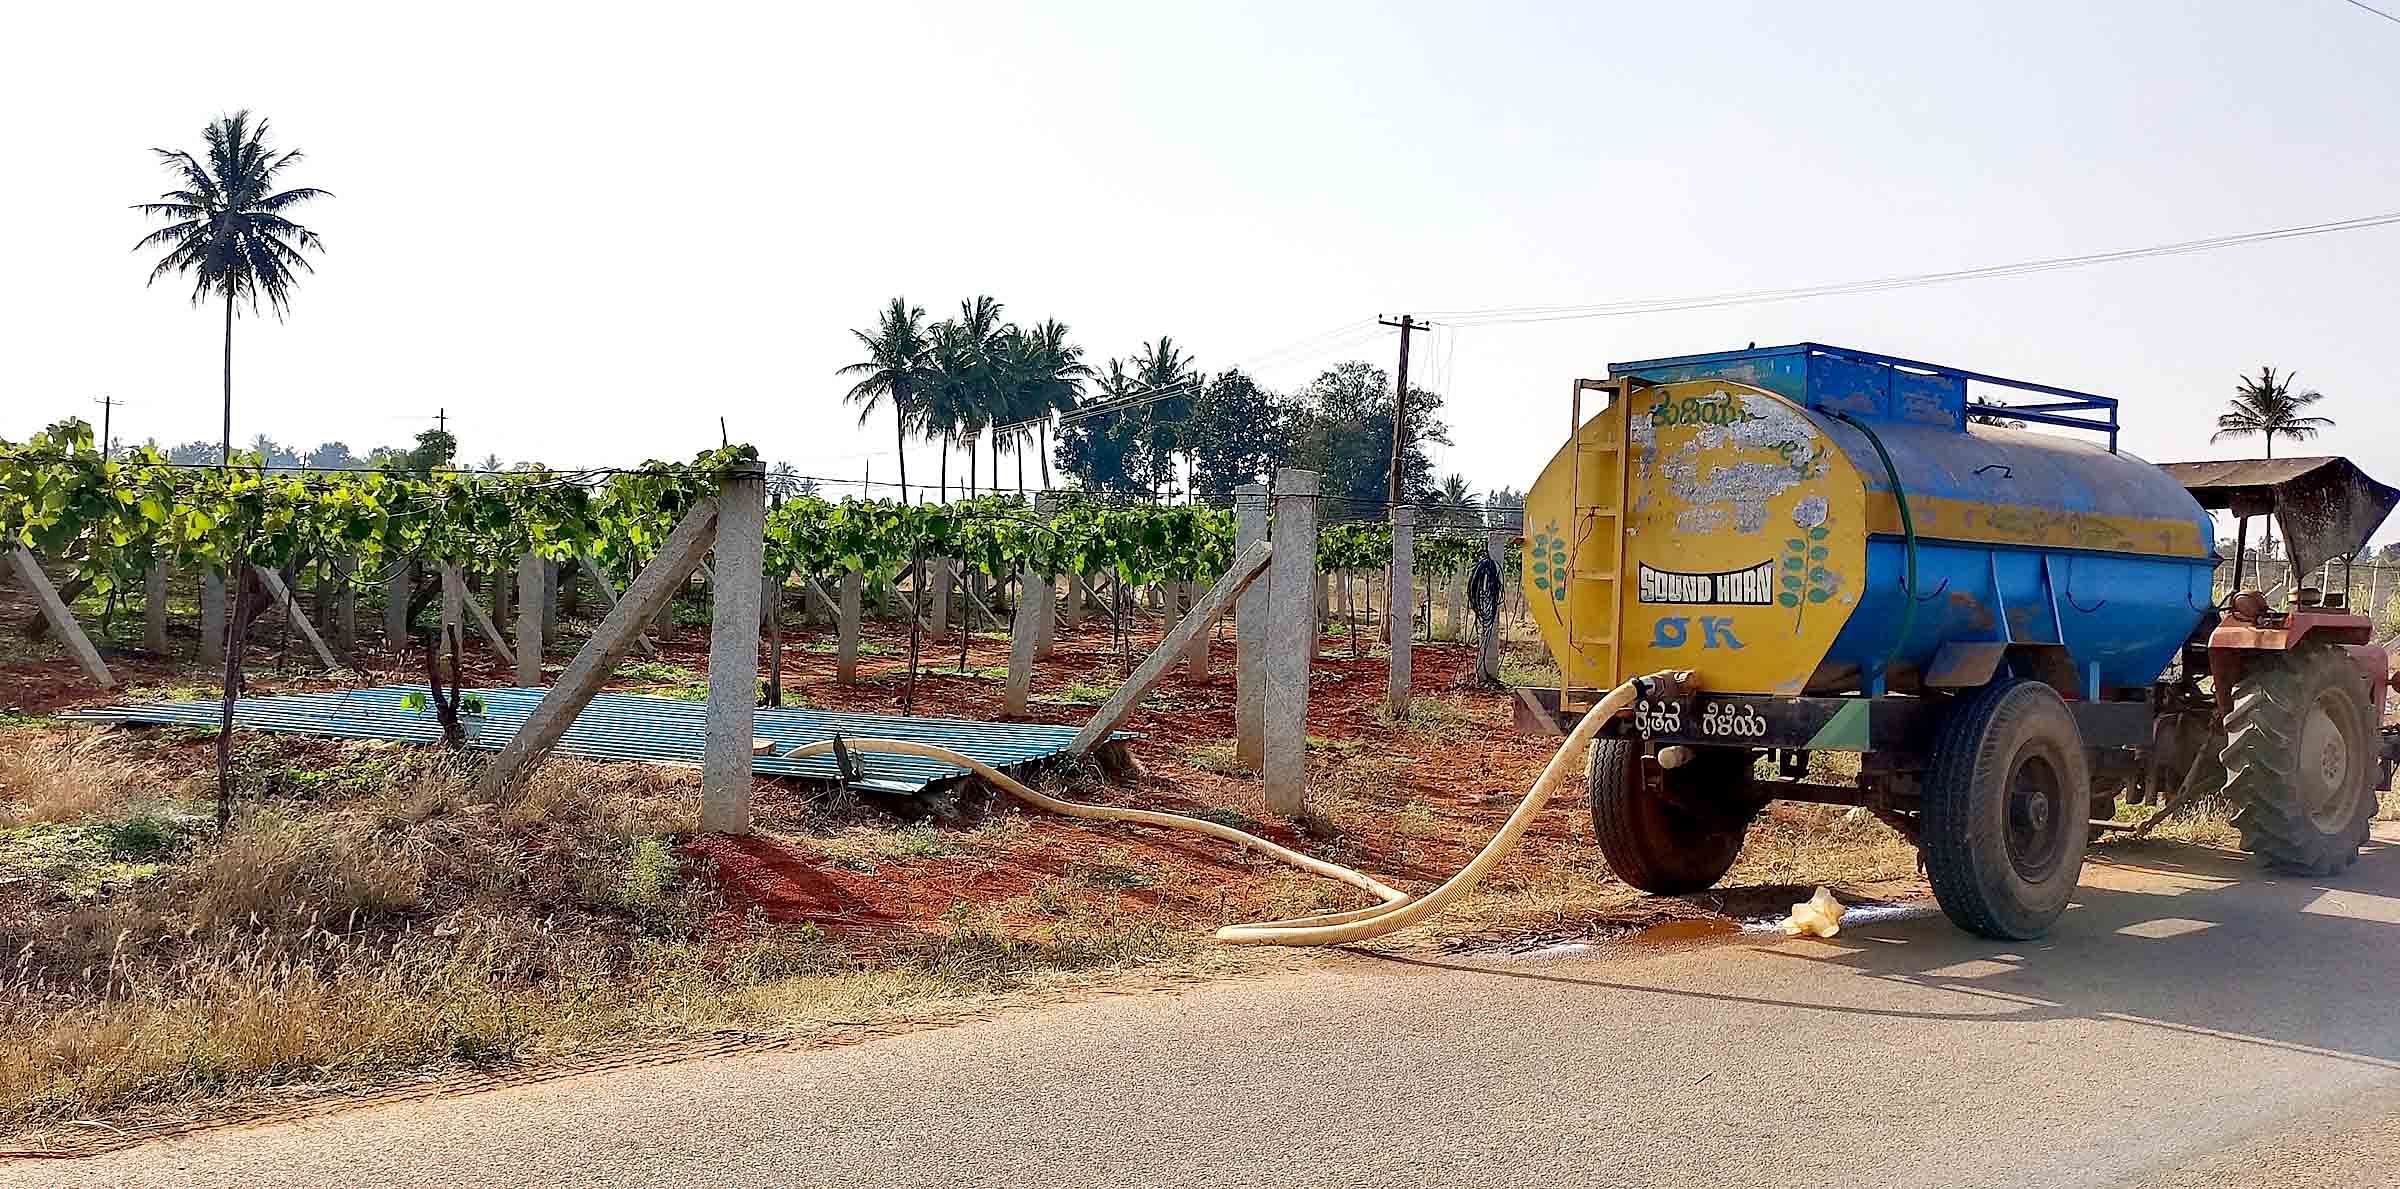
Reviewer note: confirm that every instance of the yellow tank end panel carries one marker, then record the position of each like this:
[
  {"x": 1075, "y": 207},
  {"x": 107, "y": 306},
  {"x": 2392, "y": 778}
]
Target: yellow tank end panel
[{"x": 1744, "y": 539}]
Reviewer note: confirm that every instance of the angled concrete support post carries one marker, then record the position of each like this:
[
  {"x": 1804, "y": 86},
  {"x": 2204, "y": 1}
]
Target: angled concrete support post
[
  {"x": 1400, "y": 607},
  {"x": 845, "y": 652},
  {"x": 1248, "y": 567},
  {"x": 733, "y": 653},
  {"x": 282, "y": 595},
  {"x": 474, "y": 607},
  {"x": 62, "y": 621},
  {"x": 1250, "y": 634},
  {"x": 1291, "y": 640},
  {"x": 608, "y": 598},
  {"x": 599, "y": 656},
  {"x": 531, "y": 608},
  {"x": 1456, "y": 597},
  {"x": 154, "y": 608},
  {"x": 212, "y": 616}
]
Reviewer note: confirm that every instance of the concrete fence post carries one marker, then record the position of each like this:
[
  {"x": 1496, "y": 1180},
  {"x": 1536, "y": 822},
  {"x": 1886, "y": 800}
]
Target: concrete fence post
[
  {"x": 1024, "y": 632},
  {"x": 154, "y": 608},
  {"x": 1456, "y": 609},
  {"x": 212, "y": 616},
  {"x": 1044, "y": 592},
  {"x": 1250, "y": 633},
  {"x": 845, "y": 656},
  {"x": 397, "y": 589},
  {"x": 739, "y": 582},
  {"x": 532, "y": 609},
  {"x": 1400, "y": 608},
  {"x": 1291, "y": 641},
  {"x": 345, "y": 606},
  {"x": 1077, "y": 591},
  {"x": 937, "y": 571},
  {"x": 1195, "y": 654}
]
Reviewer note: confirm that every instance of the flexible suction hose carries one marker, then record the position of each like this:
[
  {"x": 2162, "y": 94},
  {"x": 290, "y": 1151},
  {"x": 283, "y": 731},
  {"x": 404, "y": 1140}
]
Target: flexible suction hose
[{"x": 1398, "y": 910}]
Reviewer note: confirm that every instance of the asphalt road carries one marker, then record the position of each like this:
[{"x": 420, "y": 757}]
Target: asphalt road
[{"x": 2189, "y": 1023}]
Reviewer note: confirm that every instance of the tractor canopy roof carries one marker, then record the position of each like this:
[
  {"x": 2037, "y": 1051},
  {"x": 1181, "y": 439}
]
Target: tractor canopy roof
[{"x": 2325, "y": 505}]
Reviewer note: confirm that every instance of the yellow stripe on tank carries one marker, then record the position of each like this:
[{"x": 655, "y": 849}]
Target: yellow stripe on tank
[{"x": 1940, "y": 518}]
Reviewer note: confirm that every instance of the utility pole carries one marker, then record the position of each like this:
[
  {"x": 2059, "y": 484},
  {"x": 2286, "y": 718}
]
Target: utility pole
[
  {"x": 108, "y": 405},
  {"x": 441, "y": 420},
  {"x": 1406, "y": 324}
]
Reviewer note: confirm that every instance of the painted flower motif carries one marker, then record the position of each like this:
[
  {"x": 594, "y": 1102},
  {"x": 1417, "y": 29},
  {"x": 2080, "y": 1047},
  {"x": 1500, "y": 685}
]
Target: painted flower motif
[{"x": 1809, "y": 512}]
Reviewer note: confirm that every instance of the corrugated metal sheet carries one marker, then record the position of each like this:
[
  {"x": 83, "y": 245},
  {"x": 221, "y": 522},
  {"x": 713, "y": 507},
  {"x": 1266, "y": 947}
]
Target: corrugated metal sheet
[{"x": 628, "y": 727}]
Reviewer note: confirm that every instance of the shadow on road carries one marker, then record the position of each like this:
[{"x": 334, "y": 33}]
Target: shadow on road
[{"x": 2178, "y": 938}]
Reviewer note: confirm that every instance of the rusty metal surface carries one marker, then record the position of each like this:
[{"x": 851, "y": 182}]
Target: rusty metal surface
[{"x": 2325, "y": 506}]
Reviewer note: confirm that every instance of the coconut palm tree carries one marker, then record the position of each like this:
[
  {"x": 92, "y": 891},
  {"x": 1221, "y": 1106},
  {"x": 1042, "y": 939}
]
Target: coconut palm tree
[
  {"x": 980, "y": 339},
  {"x": 949, "y": 392},
  {"x": 893, "y": 370},
  {"x": 2268, "y": 406},
  {"x": 2265, "y": 407},
  {"x": 1163, "y": 367},
  {"x": 227, "y": 227},
  {"x": 1053, "y": 372},
  {"x": 1454, "y": 502}
]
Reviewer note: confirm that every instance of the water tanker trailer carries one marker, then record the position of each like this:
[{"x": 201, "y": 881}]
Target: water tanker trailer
[{"x": 2011, "y": 622}]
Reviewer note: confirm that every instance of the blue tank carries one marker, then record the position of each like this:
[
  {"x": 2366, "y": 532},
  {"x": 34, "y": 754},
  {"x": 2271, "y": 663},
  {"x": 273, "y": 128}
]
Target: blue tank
[{"x": 2018, "y": 536}]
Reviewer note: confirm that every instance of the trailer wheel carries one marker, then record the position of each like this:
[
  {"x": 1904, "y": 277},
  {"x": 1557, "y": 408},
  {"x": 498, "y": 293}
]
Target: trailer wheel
[
  {"x": 2299, "y": 761},
  {"x": 1670, "y": 832},
  {"x": 2006, "y": 810}
]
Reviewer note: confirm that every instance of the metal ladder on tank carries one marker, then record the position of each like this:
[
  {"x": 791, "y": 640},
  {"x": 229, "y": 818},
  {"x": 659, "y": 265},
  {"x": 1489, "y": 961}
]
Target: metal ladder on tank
[{"x": 1601, "y": 518}]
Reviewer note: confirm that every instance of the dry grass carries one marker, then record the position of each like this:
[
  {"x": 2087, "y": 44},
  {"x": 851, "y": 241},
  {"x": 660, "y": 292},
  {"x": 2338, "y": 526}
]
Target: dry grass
[
  {"x": 47, "y": 778},
  {"x": 393, "y": 921}
]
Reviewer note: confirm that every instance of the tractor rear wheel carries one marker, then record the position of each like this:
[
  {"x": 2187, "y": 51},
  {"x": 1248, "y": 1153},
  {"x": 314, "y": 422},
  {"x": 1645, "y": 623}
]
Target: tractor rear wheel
[
  {"x": 2300, "y": 760},
  {"x": 2006, "y": 810},
  {"x": 1666, "y": 831}
]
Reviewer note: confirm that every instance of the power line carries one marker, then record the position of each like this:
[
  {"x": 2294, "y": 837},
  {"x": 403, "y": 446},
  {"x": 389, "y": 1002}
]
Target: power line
[
  {"x": 1616, "y": 309},
  {"x": 2371, "y": 8}
]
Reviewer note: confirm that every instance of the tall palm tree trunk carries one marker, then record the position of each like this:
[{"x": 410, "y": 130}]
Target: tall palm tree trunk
[
  {"x": 945, "y": 466},
  {"x": 1044, "y": 430},
  {"x": 227, "y": 456},
  {"x": 900, "y": 447},
  {"x": 972, "y": 463}
]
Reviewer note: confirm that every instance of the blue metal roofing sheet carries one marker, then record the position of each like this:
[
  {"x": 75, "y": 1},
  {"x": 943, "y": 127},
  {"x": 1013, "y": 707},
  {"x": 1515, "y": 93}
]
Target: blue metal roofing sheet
[{"x": 627, "y": 727}]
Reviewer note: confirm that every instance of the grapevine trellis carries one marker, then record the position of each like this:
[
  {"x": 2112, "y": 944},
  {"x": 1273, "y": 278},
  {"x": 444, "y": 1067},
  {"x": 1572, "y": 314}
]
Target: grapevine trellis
[{"x": 111, "y": 519}]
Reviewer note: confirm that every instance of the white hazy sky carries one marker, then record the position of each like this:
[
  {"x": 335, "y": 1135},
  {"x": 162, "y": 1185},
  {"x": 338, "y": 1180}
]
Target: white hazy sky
[{"x": 588, "y": 231}]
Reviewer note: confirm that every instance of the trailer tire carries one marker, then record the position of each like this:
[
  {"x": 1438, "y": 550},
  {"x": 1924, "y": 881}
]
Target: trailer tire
[
  {"x": 2006, "y": 810},
  {"x": 2299, "y": 761},
  {"x": 1670, "y": 832}
]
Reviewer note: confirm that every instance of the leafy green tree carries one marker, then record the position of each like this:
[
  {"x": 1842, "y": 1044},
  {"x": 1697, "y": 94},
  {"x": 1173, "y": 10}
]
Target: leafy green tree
[
  {"x": 227, "y": 227},
  {"x": 330, "y": 456},
  {"x": 1342, "y": 429},
  {"x": 1103, "y": 451},
  {"x": 2267, "y": 407},
  {"x": 1234, "y": 435},
  {"x": 892, "y": 373}
]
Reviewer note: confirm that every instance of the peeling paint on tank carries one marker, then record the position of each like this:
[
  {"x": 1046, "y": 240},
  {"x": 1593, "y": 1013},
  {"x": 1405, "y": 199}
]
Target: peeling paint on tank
[{"x": 1709, "y": 494}]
